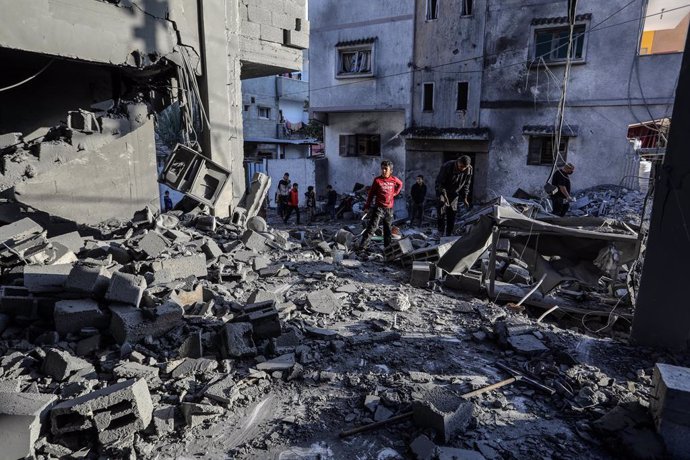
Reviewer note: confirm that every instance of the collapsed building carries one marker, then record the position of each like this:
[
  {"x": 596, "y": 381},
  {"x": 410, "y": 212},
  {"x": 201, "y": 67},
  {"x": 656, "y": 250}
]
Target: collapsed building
[{"x": 84, "y": 80}]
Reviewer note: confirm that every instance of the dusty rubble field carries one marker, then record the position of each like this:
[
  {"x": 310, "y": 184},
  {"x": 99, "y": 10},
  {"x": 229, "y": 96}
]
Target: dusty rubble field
[{"x": 357, "y": 355}]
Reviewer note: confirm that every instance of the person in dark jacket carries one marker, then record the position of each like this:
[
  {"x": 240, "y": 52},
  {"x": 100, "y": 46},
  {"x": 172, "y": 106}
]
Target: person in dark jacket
[
  {"x": 167, "y": 202},
  {"x": 382, "y": 196},
  {"x": 561, "y": 198},
  {"x": 292, "y": 204},
  {"x": 452, "y": 188},
  {"x": 331, "y": 201},
  {"x": 418, "y": 195},
  {"x": 310, "y": 200}
]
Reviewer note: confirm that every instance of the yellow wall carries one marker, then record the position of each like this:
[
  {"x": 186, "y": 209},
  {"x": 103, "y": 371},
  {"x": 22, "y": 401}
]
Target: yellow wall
[{"x": 647, "y": 42}]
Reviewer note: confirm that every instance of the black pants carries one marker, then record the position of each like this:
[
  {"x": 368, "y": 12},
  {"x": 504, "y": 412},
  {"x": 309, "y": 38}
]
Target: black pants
[
  {"x": 560, "y": 205},
  {"x": 446, "y": 219},
  {"x": 288, "y": 213},
  {"x": 417, "y": 213},
  {"x": 376, "y": 215}
]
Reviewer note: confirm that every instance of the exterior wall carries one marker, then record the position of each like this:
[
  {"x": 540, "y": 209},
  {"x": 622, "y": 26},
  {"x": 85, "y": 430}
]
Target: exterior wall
[
  {"x": 600, "y": 101},
  {"x": 333, "y": 21},
  {"x": 302, "y": 171},
  {"x": 263, "y": 92},
  {"x": 344, "y": 172},
  {"x": 446, "y": 47},
  {"x": 293, "y": 111}
]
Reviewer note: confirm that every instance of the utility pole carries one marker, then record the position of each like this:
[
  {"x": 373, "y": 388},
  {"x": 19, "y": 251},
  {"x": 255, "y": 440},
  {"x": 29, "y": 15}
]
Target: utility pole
[{"x": 662, "y": 313}]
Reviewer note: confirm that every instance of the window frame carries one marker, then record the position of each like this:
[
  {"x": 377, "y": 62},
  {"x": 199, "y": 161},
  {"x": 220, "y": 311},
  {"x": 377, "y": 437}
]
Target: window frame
[
  {"x": 339, "y": 50},
  {"x": 433, "y": 96},
  {"x": 550, "y": 138},
  {"x": 535, "y": 29},
  {"x": 463, "y": 14},
  {"x": 355, "y": 141},
  {"x": 429, "y": 14},
  {"x": 457, "y": 96},
  {"x": 268, "y": 111}
]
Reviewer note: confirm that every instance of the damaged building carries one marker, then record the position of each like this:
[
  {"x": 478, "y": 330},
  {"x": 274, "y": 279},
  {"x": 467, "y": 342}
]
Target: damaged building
[
  {"x": 80, "y": 98},
  {"x": 424, "y": 82}
]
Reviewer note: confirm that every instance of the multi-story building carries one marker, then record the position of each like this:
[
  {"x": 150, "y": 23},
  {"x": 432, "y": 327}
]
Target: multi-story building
[
  {"x": 155, "y": 53},
  {"x": 485, "y": 79}
]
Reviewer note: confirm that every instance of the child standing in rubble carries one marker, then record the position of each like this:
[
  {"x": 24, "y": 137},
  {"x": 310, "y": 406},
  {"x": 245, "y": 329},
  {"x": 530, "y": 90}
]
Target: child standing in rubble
[
  {"x": 310, "y": 196},
  {"x": 382, "y": 194},
  {"x": 292, "y": 203}
]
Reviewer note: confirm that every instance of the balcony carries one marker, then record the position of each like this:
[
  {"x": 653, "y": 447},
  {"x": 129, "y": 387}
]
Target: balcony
[{"x": 291, "y": 89}]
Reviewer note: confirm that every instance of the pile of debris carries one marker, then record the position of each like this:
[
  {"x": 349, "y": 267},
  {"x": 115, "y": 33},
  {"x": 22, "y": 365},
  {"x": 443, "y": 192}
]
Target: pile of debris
[{"x": 610, "y": 201}]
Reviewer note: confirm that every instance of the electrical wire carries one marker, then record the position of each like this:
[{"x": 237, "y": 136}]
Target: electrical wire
[{"x": 26, "y": 80}]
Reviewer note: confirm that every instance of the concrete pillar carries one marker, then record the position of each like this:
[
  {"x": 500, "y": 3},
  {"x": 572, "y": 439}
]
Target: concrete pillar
[
  {"x": 219, "y": 24},
  {"x": 662, "y": 313}
]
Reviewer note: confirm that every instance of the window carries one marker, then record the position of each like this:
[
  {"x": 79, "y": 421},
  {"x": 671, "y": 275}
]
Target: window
[
  {"x": 665, "y": 27},
  {"x": 298, "y": 24},
  {"x": 541, "y": 150},
  {"x": 552, "y": 44},
  {"x": 463, "y": 94},
  {"x": 428, "y": 97},
  {"x": 355, "y": 62},
  {"x": 246, "y": 108},
  {"x": 353, "y": 145},
  {"x": 265, "y": 112},
  {"x": 431, "y": 9},
  {"x": 466, "y": 8}
]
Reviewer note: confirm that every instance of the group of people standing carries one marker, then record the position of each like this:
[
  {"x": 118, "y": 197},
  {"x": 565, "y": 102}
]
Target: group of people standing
[{"x": 287, "y": 200}]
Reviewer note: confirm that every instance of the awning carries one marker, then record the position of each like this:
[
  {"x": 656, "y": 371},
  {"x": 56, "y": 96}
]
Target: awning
[
  {"x": 549, "y": 130},
  {"x": 560, "y": 20},
  {"x": 425, "y": 132},
  {"x": 360, "y": 41}
]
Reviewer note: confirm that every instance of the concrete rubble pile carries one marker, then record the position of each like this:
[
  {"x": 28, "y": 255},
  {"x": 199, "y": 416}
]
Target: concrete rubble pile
[{"x": 613, "y": 202}]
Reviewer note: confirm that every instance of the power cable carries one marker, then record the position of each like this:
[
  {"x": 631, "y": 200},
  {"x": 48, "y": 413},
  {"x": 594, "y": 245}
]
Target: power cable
[{"x": 26, "y": 80}]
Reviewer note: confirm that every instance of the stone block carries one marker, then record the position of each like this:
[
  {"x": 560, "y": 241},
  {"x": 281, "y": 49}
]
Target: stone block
[
  {"x": 254, "y": 241},
  {"x": 126, "y": 288},
  {"x": 46, "y": 278},
  {"x": 442, "y": 411},
  {"x": 670, "y": 407},
  {"x": 153, "y": 244},
  {"x": 236, "y": 340},
  {"x": 323, "y": 301},
  {"x": 130, "y": 324},
  {"x": 166, "y": 271},
  {"x": 61, "y": 365},
  {"x": 73, "y": 315},
  {"x": 88, "y": 280},
  {"x": 114, "y": 413},
  {"x": 21, "y": 417}
]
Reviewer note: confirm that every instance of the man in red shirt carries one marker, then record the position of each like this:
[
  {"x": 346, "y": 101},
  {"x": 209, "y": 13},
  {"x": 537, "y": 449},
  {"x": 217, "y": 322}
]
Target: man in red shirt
[
  {"x": 382, "y": 192},
  {"x": 292, "y": 204}
]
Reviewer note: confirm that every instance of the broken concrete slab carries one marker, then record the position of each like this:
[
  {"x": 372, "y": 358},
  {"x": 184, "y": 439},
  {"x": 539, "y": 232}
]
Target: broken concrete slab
[
  {"x": 670, "y": 407},
  {"x": 61, "y": 365},
  {"x": 222, "y": 390},
  {"x": 423, "y": 448},
  {"x": 281, "y": 363},
  {"x": 263, "y": 317},
  {"x": 125, "y": 288},
  {"x": 115, "y": 412},
  {"x": 323, "y": 301},
  {"x": 193, "y": 346},
  {"x": 237, "y": 341},
  {"x": 128, "y": 370},
  {"x": 191, "y": 366},
  {"x": 153, "y": 244},
  {"x": 73, "y": 315},
  {"x": 212, "y": 250},
  {"x": 21, "y": 417},
  {"x": 527, "y": 344},
  {"x": 254, "y": 241},
  {"x": 196, "y": 414},
  {"x": 166, "y": 271},
  {"x": 72, "y": 241},
  {"x": 88, "y": 280},
  {"x": 130, "y": 324},
  {"x": 164, "y": 420}
]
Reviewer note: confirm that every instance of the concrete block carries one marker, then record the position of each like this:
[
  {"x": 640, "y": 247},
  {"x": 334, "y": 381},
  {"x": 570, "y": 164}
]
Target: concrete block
[
  {"x": 516, "y": 275},
  {"x": 130, "y": 324},
  {"x": 73, "y": 315},
  {"x": 164, "y": 420},
  {"x": 126, "y": 288},
  {"x": 19, "y": 231},
  {"x": 271, "y": 34},
  {"x": 212, "y": 250},
  {"x": 89, "y": 345},
  {"x": 423, "y": 448},
  {"x": 128, "y": 370},
  {"x": 72, "y": 241},
  {"x": 444, "y": 412},
  {"x": 61, "y": 365},
  {"x": 191, "y": 366},
  {"x": 258, "y": 15},
  {"x": 262, "y": 296},
  {"x": 18, "y": 301},
  {"x": 166, "y": 271},
  {"x": 193, "y": 346},
  {"x": 236, "y": 340},
  {"x": 281, "y": 363},
  {"x": 115, "y": 412},
  {"x": 46, "y": 278},
  {"x": 527, "y": 344},
  {"x": 282, "y": 20},
  {"x": 153, "y": 244},
  {"x": 323, "y": 301},
  {"x": 88, "y": 280},
  {"x": 298, "y": 39},
  {"x": 196, "y": 414},
  {"x": 254, "y": 241},
  {"x": 206, "y": 223},
  {"x": 250, "y": 29},
  {"x": 10, "y": 139},
  {"x": 470, "y": 282},
  {"x": 263, "y": 317},
  {"x": 670, "y": 407},
  {"x": 221, "y": 391},
  {"x": 421, "y": 274},
  {"x": 21, "y": 417}
]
